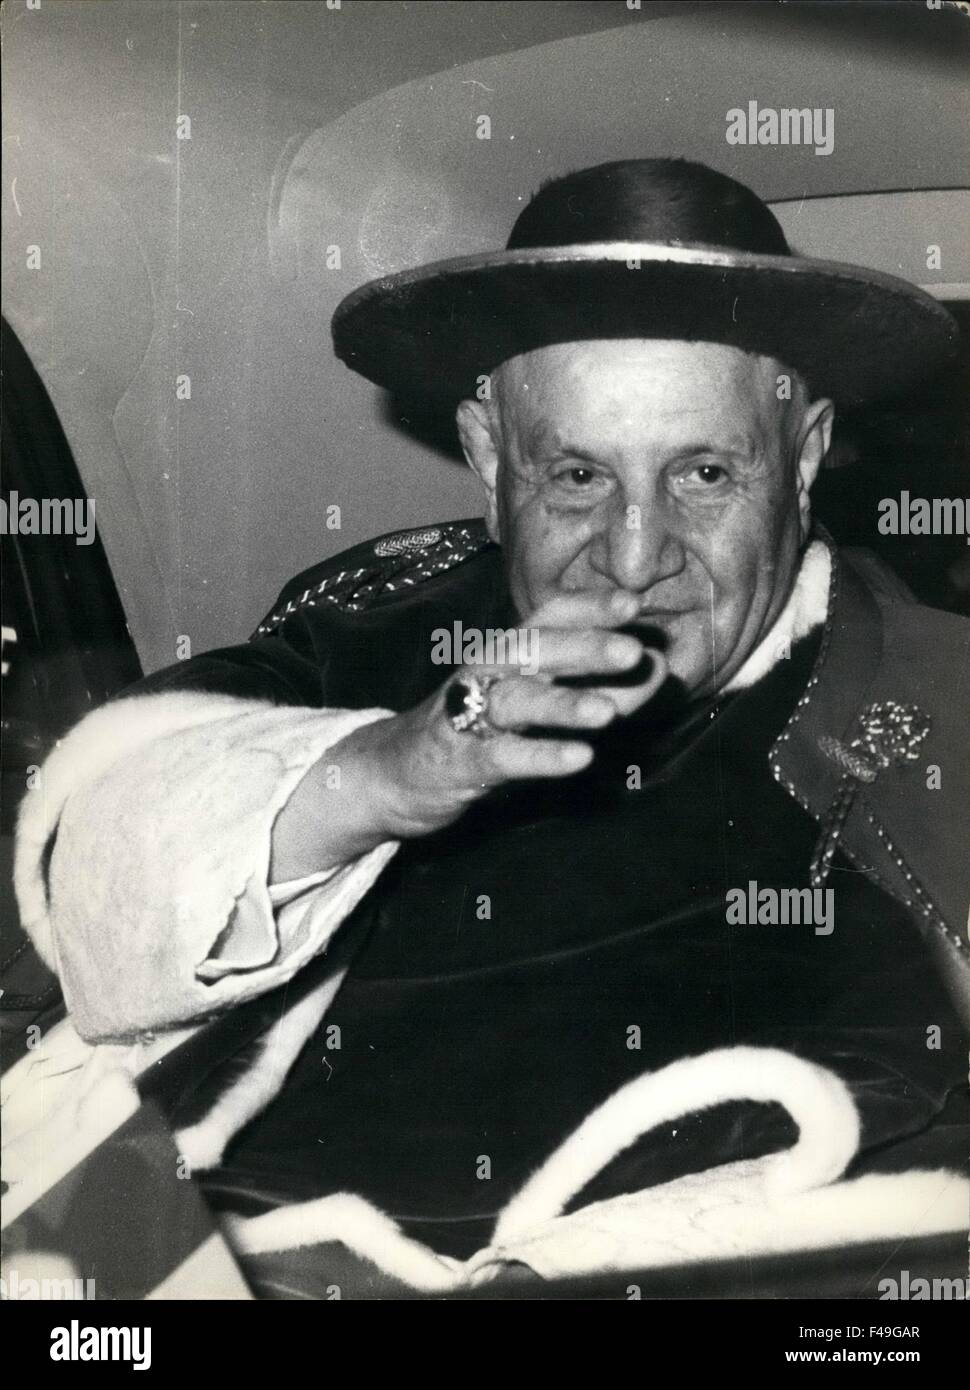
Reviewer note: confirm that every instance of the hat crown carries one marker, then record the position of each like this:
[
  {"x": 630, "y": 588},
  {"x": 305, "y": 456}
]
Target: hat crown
[
  {"x": 649, "y": 200},
  {"x": 709, "y": 263}
]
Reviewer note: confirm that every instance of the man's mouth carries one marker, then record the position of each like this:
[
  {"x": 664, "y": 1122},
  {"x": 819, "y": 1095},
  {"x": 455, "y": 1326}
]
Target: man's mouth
[{"x": 654, "y": 628}]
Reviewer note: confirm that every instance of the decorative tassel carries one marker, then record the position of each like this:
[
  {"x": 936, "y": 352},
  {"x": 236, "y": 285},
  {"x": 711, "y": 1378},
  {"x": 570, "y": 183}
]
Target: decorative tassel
[{"x": 888, "y": 733}]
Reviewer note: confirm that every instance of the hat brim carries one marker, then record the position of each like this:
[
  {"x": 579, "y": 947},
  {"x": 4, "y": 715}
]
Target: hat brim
[{"x": 854, "y": 334}]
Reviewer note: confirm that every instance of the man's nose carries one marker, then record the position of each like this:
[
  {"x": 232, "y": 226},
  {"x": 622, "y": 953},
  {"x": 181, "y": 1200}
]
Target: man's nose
[{"x": 637, "y": 548}]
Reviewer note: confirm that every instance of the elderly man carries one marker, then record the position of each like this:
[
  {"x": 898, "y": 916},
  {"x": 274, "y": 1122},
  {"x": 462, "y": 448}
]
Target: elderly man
[{"x": 718, "y": 805}]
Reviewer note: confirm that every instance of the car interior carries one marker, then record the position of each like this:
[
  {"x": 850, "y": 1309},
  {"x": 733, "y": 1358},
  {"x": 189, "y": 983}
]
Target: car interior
[{"x": 170, "y": 362}]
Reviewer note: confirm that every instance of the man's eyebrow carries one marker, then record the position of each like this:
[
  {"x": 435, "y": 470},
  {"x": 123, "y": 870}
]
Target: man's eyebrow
[
  {"x": 743, "y": 448},
  {"x": 544, "y": 438}
]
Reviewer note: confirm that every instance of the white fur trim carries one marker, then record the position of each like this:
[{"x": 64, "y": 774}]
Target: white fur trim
[
  {"x": 356, "y": 1223},
  {"x": 164, "y": 806},
  {"x": 781, "y": 1203},
  {"x": 724, "y": 1214},
  {"x": 204, "y": 1143},
  {"x": 94, "y": 745},
  {"x": 818, "y": 1102},
  {"x": 806, "y": 608}
]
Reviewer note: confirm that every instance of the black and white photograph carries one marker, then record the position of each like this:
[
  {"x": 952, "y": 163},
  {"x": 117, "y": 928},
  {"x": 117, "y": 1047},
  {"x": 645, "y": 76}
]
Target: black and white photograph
[{"x": 485, "y": 533}]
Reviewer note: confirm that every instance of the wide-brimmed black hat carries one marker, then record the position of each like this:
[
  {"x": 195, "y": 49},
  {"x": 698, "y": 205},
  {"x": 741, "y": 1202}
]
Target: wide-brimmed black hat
[{"x": 643, "y": 248}]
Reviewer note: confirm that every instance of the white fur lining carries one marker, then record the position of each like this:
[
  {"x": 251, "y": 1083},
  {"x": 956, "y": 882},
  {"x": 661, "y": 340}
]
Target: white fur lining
[
  {"x": 203, "y": 1143},
  {"x": 785, "y": 1202},
  {"x": 806, "y": 608},
  {"x": 155, "y": 908},
  {"x": 93, "y": 746}
]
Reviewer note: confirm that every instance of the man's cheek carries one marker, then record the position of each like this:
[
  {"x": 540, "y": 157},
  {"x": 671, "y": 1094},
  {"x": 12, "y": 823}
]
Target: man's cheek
[
  {"x": 737, "y": 570},
  {"x": 533, "y": 566},
  {"x": 543, "y": 548}
]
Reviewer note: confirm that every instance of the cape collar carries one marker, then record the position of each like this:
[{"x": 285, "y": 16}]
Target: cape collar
[
  {"x": 838, "y": 689},
  {"x": 807, "y": 608}
]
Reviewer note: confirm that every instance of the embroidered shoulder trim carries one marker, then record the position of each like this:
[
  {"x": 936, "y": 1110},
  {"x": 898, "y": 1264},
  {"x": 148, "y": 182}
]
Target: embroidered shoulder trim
[
  {"x": 398, "y": 561},
  {"x": 888, "y": 733}
]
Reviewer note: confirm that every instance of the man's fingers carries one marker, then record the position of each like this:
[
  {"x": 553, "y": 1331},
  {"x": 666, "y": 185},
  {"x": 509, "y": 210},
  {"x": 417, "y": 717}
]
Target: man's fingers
[
  {"x": 628, "y": 698},
  {"x": 520, "y": 703},
  {"x": 572, "y": 652},
  {"x": 586, "y": 610},
  {"x": 511, "y": 758}
]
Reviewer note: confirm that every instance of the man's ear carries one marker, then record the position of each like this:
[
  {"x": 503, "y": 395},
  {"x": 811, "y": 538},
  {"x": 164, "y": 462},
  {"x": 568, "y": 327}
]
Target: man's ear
[
  {"x": 814, "y": 437},
  {"x": 477, "y": 431}
]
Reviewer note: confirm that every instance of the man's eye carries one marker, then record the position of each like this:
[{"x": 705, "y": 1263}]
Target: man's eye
[
  {"x": 576, "y": 479},
  {"x": 702, "y": 477},
  {"x": 709, "y": 472}
]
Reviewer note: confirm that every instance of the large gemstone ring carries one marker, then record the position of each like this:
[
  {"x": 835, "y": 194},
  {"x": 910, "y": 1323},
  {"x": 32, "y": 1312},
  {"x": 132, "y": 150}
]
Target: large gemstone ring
[{"x": 466, "y": 704}]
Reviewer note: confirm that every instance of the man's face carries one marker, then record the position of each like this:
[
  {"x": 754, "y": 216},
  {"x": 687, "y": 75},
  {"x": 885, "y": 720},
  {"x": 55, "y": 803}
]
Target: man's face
[{"x": 669, "y": 469}]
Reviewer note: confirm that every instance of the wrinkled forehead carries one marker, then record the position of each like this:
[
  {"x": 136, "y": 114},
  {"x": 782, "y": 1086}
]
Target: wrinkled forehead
[{"x": 588, "y": 392}]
